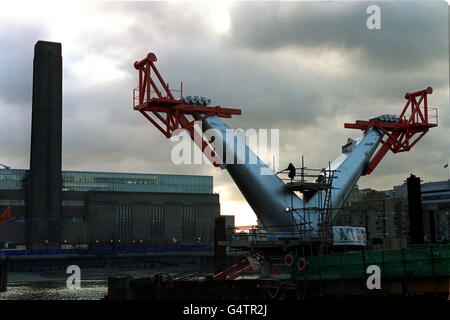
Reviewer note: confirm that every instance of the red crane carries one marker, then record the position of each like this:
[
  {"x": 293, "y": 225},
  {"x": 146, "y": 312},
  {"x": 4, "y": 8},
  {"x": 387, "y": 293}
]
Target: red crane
[
  {"x": 401, "y": 132},
  {"x": 168, "y": 114}
]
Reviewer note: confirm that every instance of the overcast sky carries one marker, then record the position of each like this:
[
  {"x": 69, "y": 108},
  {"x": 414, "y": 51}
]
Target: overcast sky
[{"x": 302, "y": 67}]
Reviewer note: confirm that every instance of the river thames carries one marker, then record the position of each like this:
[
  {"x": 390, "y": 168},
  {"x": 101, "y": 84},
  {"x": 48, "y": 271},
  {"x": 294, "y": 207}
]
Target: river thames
[{"x": 53, "y": 285}]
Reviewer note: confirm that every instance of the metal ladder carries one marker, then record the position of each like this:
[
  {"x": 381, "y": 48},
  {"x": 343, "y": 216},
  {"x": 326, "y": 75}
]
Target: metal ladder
[{"x": 324, "y": 230}]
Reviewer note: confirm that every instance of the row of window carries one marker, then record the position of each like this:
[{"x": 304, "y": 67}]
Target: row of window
[
  {"x": 382, "y": 234},
  {"x": 8, "y": 202},
  {"x": 109, "y": 181},
  {"x": 127, "y": 180},
  {"x": 22, "y": 219},
  {"x": 17, "y": 203}
]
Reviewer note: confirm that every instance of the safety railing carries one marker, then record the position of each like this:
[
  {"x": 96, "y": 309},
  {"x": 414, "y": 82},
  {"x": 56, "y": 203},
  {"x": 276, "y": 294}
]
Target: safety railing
[
  {"x": 424, "y": 261},
  {"x": 179, "y": 94},
  {"x": 430, "y": 116},
  {"x": 270, "y": 233}
]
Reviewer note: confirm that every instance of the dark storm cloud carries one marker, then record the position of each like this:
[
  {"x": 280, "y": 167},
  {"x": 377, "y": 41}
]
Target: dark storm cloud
[
  {"x": 16, "y": 60},
  {"x": 412, "y": 33},
  {"x": 274, "y": 93},
  {"x": 408, "y": 53}
]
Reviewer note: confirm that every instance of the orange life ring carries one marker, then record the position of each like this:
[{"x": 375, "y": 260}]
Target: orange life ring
[
  {"x": 301, "y": 266},
  {"x": 289, "y": 257}
]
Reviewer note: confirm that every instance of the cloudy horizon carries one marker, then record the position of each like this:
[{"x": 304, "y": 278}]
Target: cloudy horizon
[{"x": 305, "y": 68}]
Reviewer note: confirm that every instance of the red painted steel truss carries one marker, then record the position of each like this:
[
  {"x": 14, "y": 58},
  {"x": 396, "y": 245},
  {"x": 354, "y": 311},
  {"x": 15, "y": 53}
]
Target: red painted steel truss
[
  {"x": 168, "y": 114},
  {"x": 408, "y": 128},
  {"x": 234, "y": 271}
]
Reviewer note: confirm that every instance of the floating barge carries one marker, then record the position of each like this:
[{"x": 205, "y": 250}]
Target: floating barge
[{"x": 416, "y": 271}]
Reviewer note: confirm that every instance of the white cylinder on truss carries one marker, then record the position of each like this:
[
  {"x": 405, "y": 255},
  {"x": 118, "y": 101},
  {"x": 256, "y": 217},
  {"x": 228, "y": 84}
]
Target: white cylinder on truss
[
  {"x": 195, "y": 100},
  {"x": 187, "y": 99}
]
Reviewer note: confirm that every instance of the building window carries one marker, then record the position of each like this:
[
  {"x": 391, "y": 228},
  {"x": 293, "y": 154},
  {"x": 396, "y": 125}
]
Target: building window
[
  {"x": 19, "y": 220},
  {"x": 13, "y": 179},
  {"x": 75, "y": 219},
  {"x": 5, "y": 202},
  {"x": 157, "y": 221},
  {"x": 189, "y": 221},
  {"x": 124, "y": 231},
  {"x": 72, "y": 203}
]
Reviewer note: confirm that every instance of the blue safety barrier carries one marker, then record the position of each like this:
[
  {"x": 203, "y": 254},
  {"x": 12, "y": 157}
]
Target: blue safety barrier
[{"x": 14, "y": 252}]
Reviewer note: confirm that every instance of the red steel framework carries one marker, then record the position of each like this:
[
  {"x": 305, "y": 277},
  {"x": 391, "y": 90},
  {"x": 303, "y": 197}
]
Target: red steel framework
[
  {"x": 168, "y": 114},
  {"x": 234, "y": 271},
  {"x": 401, "y": 136}
]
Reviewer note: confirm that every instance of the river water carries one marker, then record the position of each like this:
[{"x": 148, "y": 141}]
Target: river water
[
  {"x": 56, "y": 290},
  {"x": 52, "y": 285}
]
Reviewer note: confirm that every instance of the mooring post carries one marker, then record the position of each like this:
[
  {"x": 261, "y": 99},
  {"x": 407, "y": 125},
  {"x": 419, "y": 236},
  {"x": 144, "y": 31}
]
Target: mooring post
[
  {"x": 415, "y": 211},
  {"x": 220, "y": 251},
  {"x": 3, "y": 275},
  {"x": 432, "y": 225}
]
